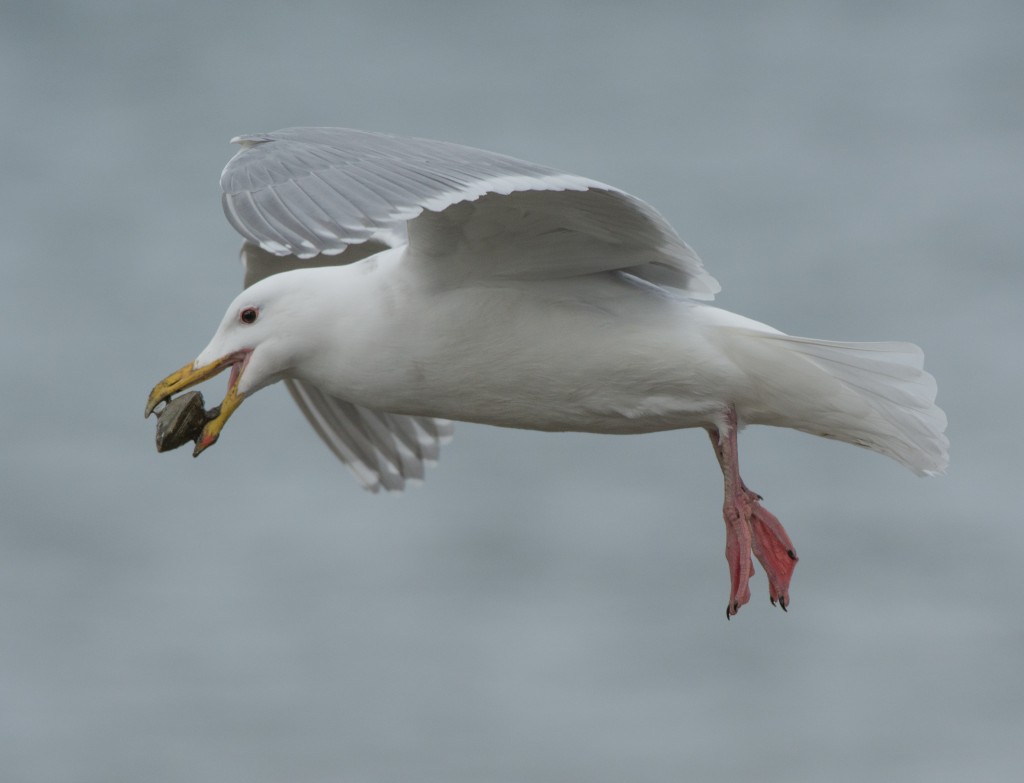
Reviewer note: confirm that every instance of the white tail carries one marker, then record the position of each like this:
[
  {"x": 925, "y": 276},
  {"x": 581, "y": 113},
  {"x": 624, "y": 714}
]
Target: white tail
[{"x": 876, "y": 395}]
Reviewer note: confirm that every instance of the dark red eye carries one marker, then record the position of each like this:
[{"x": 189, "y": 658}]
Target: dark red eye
[{"x": 248, "y": 315}]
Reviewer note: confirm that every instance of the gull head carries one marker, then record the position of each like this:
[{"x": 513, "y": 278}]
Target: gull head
[{"x": 258, "y": 339}]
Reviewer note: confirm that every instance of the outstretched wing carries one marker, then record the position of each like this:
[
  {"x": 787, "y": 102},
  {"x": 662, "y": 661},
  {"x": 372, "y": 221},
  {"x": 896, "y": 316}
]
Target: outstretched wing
[
  {"x": 383, "y": 450},
  {"x": 304, "y": 192}
]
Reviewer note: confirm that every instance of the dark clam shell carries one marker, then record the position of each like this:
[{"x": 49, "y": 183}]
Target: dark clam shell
[{"x": 180, "y": 421}]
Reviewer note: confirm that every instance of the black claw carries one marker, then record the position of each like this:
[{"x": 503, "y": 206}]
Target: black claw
[
  {"x": 783, "y": 603},
  {"x": 791, "y": 553},
  {"x": 772, "y": 600}
]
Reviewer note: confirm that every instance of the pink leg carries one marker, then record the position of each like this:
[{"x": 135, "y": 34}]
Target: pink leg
[{"x": 749, "y": 527}]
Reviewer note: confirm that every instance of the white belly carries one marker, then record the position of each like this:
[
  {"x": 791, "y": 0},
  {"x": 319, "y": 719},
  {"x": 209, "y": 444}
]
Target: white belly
[{"x": 608, "y": 358}]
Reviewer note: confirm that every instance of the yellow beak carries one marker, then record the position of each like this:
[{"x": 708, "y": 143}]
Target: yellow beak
[{"x": 190, "y": 375}]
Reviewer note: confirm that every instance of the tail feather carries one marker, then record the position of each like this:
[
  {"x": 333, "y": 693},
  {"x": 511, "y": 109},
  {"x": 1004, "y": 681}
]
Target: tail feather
[{"x": 876, "y": 395}]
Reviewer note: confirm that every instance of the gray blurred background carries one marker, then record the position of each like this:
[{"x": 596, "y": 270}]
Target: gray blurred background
[{"x": 545, "y": 607}]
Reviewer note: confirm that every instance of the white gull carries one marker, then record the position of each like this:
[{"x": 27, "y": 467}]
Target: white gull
[{"x": 398, "y": 284}]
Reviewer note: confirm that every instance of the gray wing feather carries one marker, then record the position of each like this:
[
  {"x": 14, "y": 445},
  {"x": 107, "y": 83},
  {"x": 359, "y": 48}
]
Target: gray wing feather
[
  {"x": 535, "y": 235},
  {"x": 383, "y": 450},
  {"x": 311, "y": 191}
]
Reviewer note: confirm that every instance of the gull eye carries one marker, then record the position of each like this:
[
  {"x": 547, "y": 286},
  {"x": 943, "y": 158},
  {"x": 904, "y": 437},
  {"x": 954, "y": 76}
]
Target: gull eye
[{"x": 248, "y": 315}]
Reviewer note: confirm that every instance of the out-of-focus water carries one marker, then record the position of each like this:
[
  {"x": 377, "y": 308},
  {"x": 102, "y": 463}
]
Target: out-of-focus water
[{"x": 545, "y": 608}]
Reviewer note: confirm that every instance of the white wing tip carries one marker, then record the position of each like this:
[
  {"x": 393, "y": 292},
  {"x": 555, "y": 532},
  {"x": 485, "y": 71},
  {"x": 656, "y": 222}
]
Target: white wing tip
[
  {"x": 278, "y": 249},
  {"x": 251, "y": 139}
]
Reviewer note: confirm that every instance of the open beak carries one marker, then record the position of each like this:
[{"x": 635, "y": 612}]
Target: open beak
[{"x": 190, "y": 375}]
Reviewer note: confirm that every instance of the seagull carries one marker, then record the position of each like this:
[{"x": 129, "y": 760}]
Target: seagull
[{"x": 396, "y": 285}]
